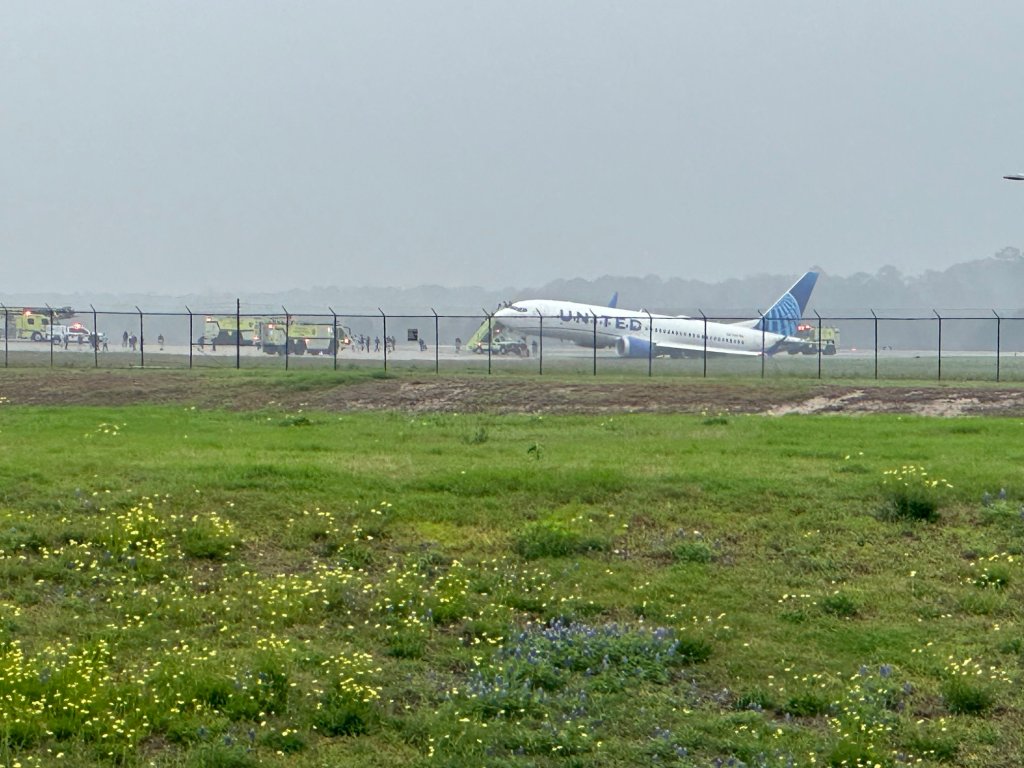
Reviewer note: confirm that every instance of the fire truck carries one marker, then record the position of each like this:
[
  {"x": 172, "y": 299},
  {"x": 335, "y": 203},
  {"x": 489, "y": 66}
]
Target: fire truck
[
  {"x": 298, "y": 337},
  {"x": 34, "y": 323},
  {"x": 812, "y": 338},
  {"x": 229, "y": 330}
]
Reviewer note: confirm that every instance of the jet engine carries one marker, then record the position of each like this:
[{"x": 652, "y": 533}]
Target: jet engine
[{"x": 634, "y": 346}]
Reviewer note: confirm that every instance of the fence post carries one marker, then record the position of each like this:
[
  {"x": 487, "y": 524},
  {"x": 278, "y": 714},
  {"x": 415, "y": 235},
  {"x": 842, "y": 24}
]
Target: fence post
[
  {"x": 705, "y": 319},
  {"x": 335, "y": 334},
  {"x": 95, "y": 339},
  {"x": 876, "y": 342},
  {"x": 437, "y": 342},
  {"x": 142, "y": 340},
  {"x": 51, "y": 334},
  {"x": 999, "y": 330},
  {"x": 594, "y": 315},
  {"x": 650, "y": 344},
  {"x": 238, "y": 334},
  {"x": 763, "y": 341},
  {"x": 190, "y": 344},
  {"x": 385, "y": 334},
  {"x": 819, "y": 342},
  {"x": 540, "y": 363},
  {"x": 490, "y": 339},
  {"x": 940, "y": 342},
  {"x": 287, "y": 335}
]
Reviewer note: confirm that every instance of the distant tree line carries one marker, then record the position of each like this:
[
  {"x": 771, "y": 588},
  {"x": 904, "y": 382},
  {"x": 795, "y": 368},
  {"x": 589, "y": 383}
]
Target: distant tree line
[{"x": 982, "y": 285}]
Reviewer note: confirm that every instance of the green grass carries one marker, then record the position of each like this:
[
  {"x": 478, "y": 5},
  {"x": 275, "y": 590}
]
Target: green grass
[
  {"x": 956, "y": 366},
  {"x": 184, "y": 587}
]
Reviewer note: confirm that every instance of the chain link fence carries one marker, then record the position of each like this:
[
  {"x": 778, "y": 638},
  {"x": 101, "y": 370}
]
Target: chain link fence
[{"x": 954, "y": 345}]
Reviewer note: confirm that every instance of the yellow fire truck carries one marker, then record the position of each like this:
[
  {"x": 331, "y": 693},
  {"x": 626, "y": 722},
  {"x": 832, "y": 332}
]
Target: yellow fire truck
[
  {"x": 224, "y": 330},
  {"x": 34, "y": 323},
  {"x": 299, "y": 337},
  {"x": 813, "y": 338}
]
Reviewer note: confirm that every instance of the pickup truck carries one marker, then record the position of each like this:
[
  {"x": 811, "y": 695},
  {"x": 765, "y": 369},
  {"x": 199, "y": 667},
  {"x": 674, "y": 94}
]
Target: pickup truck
[{"x": 77, "y": 333}]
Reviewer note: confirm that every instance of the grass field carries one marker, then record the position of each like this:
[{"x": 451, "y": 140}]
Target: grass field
[
  {"x": 181, "y": 587},
  {"x": 923, "y": 365}
]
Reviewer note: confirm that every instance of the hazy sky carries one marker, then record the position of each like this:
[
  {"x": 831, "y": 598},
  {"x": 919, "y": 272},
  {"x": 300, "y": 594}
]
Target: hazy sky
[{"x": 185, "y": 146}]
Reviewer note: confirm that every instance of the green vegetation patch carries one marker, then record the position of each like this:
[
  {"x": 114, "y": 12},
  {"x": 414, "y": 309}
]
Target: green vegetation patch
[{"x": 182, "y": 587}]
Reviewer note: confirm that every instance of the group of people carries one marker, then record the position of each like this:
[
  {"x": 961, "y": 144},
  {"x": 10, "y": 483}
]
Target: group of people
[
  {"x": 129, "y": 341},
  {"x": 363, "y": 343}
]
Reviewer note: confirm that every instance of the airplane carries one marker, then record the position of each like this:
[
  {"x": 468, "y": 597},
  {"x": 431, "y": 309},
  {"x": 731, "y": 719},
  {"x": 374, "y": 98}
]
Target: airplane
[
  {"x": 1015, "y": 177},
  {"x": 631, "y": 334}
]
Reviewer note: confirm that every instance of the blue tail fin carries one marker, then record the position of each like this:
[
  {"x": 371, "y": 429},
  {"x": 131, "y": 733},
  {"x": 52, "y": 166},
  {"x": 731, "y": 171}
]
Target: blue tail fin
[
  {"x": 787, "y": 311},
  {"x": 614, "y": 300}
]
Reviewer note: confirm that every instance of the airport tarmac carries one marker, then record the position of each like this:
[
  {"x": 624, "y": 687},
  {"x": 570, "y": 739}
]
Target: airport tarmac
[{"x": 447, "y": 351}]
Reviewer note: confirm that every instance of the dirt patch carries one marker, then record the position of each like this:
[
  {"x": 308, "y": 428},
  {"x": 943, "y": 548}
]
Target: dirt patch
[
  {"x": 930, "y": 401},
  {"x": 496, "y": 394}
]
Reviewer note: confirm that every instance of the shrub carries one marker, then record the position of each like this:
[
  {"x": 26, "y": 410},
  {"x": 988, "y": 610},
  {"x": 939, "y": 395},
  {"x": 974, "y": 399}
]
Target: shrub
[
  {"x": 288, "y": 741},
  {"x": 941, "y": 747},
  {"x": 341, "y": 716},
  {"x": 965, "y": 698},
  {"x": 806, "y": 705},
  {"x": 552, "y": 540},
  {"x": 208, "y": 537},
  {"x": 21, "y": 538},
  {"x": 693, "y": 551},
  {"x": 990, "y": 575},
  {"x": 756, "y": 700},
  {"x": 406, "y": 644},
  {"x": 839, "y": 604},
  {"x": 910, "y": 494}
]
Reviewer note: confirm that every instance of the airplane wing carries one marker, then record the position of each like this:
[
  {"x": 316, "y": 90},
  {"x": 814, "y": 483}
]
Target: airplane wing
[
  {"x": 795, "y": 344},
  {"x": 782, "y": 345},
  {"x": 698, "y": 349}
]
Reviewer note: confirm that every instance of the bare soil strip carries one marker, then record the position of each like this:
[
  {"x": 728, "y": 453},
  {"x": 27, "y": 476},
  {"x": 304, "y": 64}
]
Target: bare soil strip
[{"x": 499, "y": 394}]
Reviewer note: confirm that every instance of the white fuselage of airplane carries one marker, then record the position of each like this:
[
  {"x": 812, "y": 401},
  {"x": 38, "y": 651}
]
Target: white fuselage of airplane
[{"x": 634, "y": 332}]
